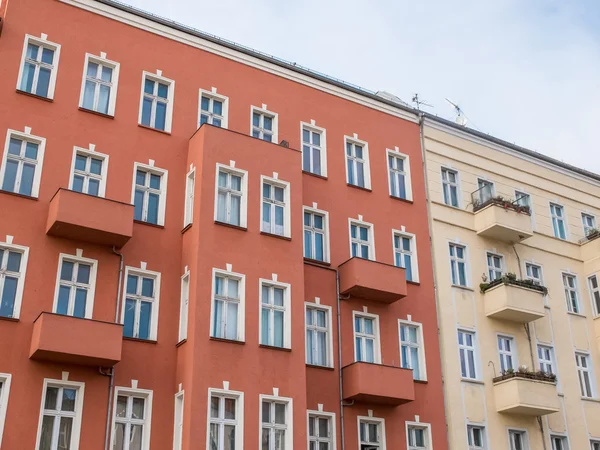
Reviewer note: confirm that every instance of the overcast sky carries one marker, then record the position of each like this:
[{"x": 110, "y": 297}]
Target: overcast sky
[{"x": 527, "y": 71}]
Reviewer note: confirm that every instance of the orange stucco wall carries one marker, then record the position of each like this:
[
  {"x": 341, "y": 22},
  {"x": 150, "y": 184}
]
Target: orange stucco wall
[{"x": 201, "y": 363}]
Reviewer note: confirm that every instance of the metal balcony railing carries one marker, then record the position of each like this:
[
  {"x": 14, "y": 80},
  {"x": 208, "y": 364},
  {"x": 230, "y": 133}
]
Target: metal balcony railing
[{"x": 484, "y": 196}]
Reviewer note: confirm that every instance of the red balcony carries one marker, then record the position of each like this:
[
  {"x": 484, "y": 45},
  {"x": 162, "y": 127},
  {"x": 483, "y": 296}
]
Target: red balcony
[
  {"x": 88, "y": 218},
  {"x": 68, "y": 339},
  {"x": 376, "y": 383},
  {"x": 372, "y": 280}
]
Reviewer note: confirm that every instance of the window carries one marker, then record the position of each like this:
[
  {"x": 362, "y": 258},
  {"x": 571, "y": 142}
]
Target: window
[
  {"x": 13, "y": 265},
  {"x": 485, "y": 191},
  {"x": 39, "y": 66},
  {"x": 60, "y": 415},
  {"x": 314, "y": 152},
  {"x": 22, "y": 163},
  {"x": 546, "y": 359},
  {"x": 190, "y": 184},
  {"x": 399, "y": 175},
  {"x": 156, "y": 102},
  {"x": 518, "y": 440},
  {"x": 75, "y": 286},
  {"x": 321, "y": 431},
  {"x": 99, "y": 85},
  {"x": 570, "y": 285},
  {"x": 231, "y": 196},
  {"x": 318, "y": 336},
  {"x": 371, "y": 433},
  {"x": 523, "y": 199},
  {"x": 357, "y": 163},
  {"x": 494, "y": 266},
  {"x": 366, "y": 338},
  {"x": 149, "y": 194},
  {"x": 275, "y": 328},
  {"x": 506, "y": 353},
  {"x": 131, "y": 420},
  {"x": 589, "y": 223},
  {"x": 584, "y": 372},
  {"x": 476, "y": 437},
  {"x": 213, "y": 108},
  {"x": 264, "y": 124},
  {"x": 316, "y": 233},
  {"x": 275, "y": 212},
  {"x": 467, "y": 351},
  {"x": 559, "y": 442},
  {"x": 595, "y": 292},
  {"x": 362, "y": 243},
  {"x": 88, "y": 172},
  {"x": 450, "y": 187},
  {"x": 228, "y": 305},
  {"x": 411, "y": 349},
  {"x": 184, "y": 306},
  {"x": 405, "y": 254},
  {"x": 178, "y": 422},
  {"x": 557, "y": 213},
  {"x": 225, "y": 430},
  {"x": 458, "y": 262},
  {"x": 533, "y": 272},
  {"x": 595, "y": 445},
  {"x": 418, "y": 437},
  {"x": 5, "y": 380},
  {"x": 140, "y": 305},
  {"x": 276, "y": 423}
]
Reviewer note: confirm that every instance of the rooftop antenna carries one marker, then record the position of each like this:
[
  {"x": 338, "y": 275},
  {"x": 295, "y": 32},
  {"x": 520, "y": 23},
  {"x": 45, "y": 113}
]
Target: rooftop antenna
[
  {"x": 460, "y": 119},
  {"x": 418, "y": 102}
]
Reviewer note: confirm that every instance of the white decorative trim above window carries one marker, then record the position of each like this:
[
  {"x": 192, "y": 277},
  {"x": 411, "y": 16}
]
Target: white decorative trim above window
[
  {"x": 361, "y": 236},
  {"x": 264, "y": 124},
  {"x": 5, "y": 379},
  {"x": 190, "y": 186},
  {"x": 276, "y": 422},
  {"x": 367, "y": 346},
  {"x": 418, "y": 436},
  {"x": 132, "y": 419},
  {"x": 75, "y": 286},
  {"x": 225, "y": 419},
  {"x": 371, "y": 433},
  {"x": 156, "y": 102},
  {"x": 213, "y": 108},
  {"x": 89, "y": 170},
  {"x": 319, "y": 335},
  {"x": 22, "y": 163},
  {"x": 231, "y": 196},
  {"x": 399, "y": 179},
  {"x": 275, "y": 318},
  {"x": 275, "y": 207},
  {"x": 13, "y": 268},
  {"x": 141, "y": 300},
  {"x": 228, "y": 305},
  {"x": 149, "y": 193},
  {"x": 358, "y": 167},
  {"x": 316, "y": 234},
  {"x": 99, "y": 85},
  {"x": 405, "y": 253},
  {"x": 39, "y": 67},
  {"x": 314, "y": 148}
]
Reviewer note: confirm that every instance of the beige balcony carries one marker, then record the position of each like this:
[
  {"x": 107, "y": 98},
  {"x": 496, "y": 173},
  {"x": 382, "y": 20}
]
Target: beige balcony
[
  {"x": 526, "y": 397},
  {"x": 514, "y": 303},
  {"x": 501, "y": 223}
]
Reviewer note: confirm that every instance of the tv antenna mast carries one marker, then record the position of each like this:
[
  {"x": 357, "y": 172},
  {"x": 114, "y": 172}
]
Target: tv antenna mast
[
  {"x": 418, "y": 102},
  {"x": 460, "y": 119}
]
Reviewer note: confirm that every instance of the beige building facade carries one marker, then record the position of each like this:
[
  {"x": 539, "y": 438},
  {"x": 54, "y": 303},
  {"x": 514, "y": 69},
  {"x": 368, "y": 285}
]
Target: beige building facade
[{"x": 497, "y": 210}]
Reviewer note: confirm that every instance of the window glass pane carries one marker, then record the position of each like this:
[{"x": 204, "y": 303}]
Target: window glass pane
[
  {"x": 132, "y": 281},
  {"x": 14, "y": 261},
  {"x": 267, "y": 123},
  {"x": 232, "y": 312},
  {"x": 68, "y": 400},
  {"x": 214, "y": 436},
  {"x": 148, "y": 287},
  {"x": 368, "y": 326},
  {"x": 88, "y": 94},
  {"x": 62, "y": 306},
  {"x": 31, "y": 150},
  {"x": 163, "y": 90},
  {"x": 153, "y": 200},
  {"x": 93, "y": 187},
  {"x": 161, "y": 114},
  {"x": 214, "y": 406},
  {"x": 66, "y": 272},
  {"x": 27, "y": 79},
  {"x": 264, "y": 338},
  {"x": 155, "y": 181},
  {"x": 80, "y": 301},
  {"x": 47, "y": 55},
  {"x": 103, "y": 99},
  {"x": 27, "y": 179},
  {"x": 106, "y": 73},
  {"x": 218, "y": 107},
  {"x": 32, "y": 51},
  {"x": 7, "y": 298},
  {"x": 135, "y": 439},
  {"x": 278, "y": 329},
  {"x": 149, "y": 86},
  {"x": 129, "y": 320},
  {"x": 266, "y": 412},
  {"x": 14, "y": 146},
  {"x": 230, "y": 408},
  {"x": 146, "y": 111},
  {"x": 83, "y": 273},
  {"x": 280, "y": 413},
  {"x": 137, "y": 408},
  {"x": 51, "y": 398},
  {"x": 10, "y": 175},
  {"x": 46, "y": 434},
  {"x": 121, "y": 406},
  {"x": 319, "y": 247},
  {"x": 145, "y": 316},
  {"x": 43, "y": 82}
]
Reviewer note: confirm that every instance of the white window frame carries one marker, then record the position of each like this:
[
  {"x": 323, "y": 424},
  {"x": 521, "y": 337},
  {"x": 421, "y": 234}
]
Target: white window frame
[
  {"x": 241, "y": 313},
  {"x": 89, "y": 302},
  {"x": 407, "y": 178},
  {"x": 482, "y": 428},
  {"x": 239, "y": 413},
  {"x": 564, "y": 441},
  {"x": 5, "y": 379},
  {"x": 465, "y": 260},
  {"x": 366, "y": 160},
  {"x": 502, "y": 353},
  {"x": 595, "y": 444},
  {"x": 594, "y": 292},
  {"x": 376, "y": 335},
  {"x": 147, "y": 395},
  {"x": 153, "y": 335},
  {"x": 76, "y": 430},
  {"x": 289, "y": 419},
  {"x": 426, "y": 427},
  {"x": 374, "y": 420},
  {"x": 178, "y": 420},
  {"x": 37, "y": 176},
  {"x": 323, "y": 147},
  {"x": 466, "y": 348},
  {"x": 42, "y": 42},
  {"x": 589, "y": 369},
  {"x": 450, "y": 184},
  {"x": 332, "y": 429},
  {"x": 584, "y": 216},
  {"x": 114, "y": 83},
  {"x": 89, "y": 153},
  {"x": 158, "y": 78},
  {"x": 184, "y": 305},
  {"x": 265, "y": 112},
  {"x": 325, "y": 214},
  {"x": 493, "y": 268},
  {"x": 190, "y": 188},
  {"x": 420, "y": 346},
  {"x": 579, "y": 306},
  {"x": 244, "y": 200},
  {"x": 371, "y": 243},
  {"x": 287, "y": 314},
  {"x": 212, "y": 95},
  {"x": 523, "y": 432},
  {"x": 24, "y": 251},
  {"x": 413, "y": 253},
  {"x": 546, "y": 362},
  {"x": 553, "y": 216},
  {"x": 162, "y": 203},
  {"x": 483, "y": 182},
  {"x": 287, "y": 227},
  {"x": 328, "y": 310}
]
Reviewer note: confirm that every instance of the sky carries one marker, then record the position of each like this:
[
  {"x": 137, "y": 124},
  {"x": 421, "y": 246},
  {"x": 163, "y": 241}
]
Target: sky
[{"x": 527, "y": 72}]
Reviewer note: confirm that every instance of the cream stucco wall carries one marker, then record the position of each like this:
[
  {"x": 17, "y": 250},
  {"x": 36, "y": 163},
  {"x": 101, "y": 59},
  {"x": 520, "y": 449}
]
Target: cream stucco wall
[{"x": 473, "y": 402}]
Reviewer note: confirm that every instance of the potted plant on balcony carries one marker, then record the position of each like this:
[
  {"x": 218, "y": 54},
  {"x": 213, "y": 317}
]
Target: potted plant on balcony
[
  {"x": 511, "y": 278},
  {"x": 525, "y": 373},
  {"x": 592, "y": 233}
]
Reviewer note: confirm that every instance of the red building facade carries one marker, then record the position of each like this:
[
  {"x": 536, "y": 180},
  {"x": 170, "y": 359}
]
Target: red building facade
[{"x": 189, "y": 232}]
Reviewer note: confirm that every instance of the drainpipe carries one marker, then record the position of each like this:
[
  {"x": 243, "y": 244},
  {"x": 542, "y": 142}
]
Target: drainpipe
[{"x": 339, "y": 339}]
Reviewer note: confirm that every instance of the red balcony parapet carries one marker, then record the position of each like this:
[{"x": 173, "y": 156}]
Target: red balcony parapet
[
  {"x": 372, "y": 280},
  {"x": 376, "y": 383}
]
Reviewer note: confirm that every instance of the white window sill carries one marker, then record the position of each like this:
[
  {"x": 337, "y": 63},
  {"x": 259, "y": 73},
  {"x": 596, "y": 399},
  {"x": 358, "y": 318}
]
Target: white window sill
[
  {"x": 576, "y": 314},
  {"x": 471, "y": 380},
  {"x": 466, "y": 288}
]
